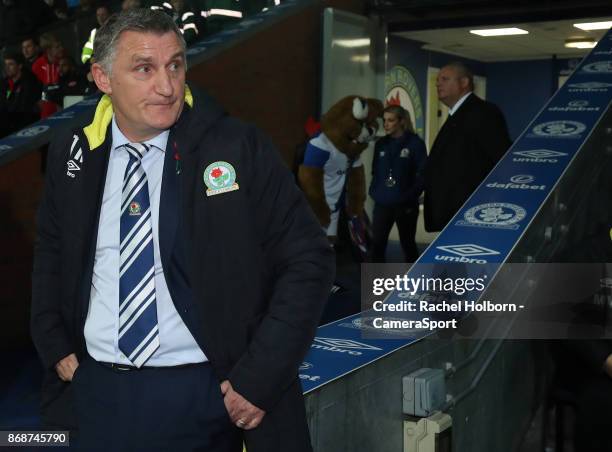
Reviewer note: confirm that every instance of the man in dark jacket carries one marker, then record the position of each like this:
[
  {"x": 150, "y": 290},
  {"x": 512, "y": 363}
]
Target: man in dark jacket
[
  {"x": 179, "y": 275},
  {"x": 71, "y": 82},
  {"x": 19, "y": 94},
  {"x": 30, "y": 51},
  {"x": 469, "y": 144}
]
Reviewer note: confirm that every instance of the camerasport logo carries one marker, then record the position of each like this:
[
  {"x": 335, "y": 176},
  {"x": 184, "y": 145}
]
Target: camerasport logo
[
  {"x": 306, "y": 376},
  {"x": 589, "y": 87},
  {"x": 518, "y": 182},
  {"x": 537, "y": 156},
  {"x": 366, "y": 323},
  {"x": 497, "y": 215},
  {"x": 600, "y": 67},
  {"x": 346, "y": 346},
  {"x": 558, "y": 129},
  {"x": 32, "y": 131},
  {"x": 576, "y": 105},
  {"x": 467, "y": 253}
]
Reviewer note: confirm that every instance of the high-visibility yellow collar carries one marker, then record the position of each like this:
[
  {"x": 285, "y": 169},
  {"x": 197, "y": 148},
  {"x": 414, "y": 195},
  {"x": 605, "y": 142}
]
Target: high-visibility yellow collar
[{"x": 96, "y": 130}]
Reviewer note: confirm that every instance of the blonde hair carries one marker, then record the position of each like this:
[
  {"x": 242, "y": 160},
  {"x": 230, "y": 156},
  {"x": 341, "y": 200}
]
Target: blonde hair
[
  {"x": 402, "y": 114},
  {"x": 48, "y": 40}
]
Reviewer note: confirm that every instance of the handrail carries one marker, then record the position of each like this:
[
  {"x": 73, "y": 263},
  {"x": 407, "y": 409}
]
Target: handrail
[{"x": 492, "y": 219}]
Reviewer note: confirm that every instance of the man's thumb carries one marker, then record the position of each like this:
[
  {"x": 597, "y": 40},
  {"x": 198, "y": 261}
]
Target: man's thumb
[{"x": 225, "y": 385}]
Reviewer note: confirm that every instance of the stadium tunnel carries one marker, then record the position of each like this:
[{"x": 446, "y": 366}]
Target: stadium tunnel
[{"x": 489, "y": 386}]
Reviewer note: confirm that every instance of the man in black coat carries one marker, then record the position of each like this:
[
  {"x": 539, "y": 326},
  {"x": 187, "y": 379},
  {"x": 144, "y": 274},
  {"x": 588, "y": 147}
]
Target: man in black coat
[
  {"x": 71, "y": 82},
  {"x": 30, "y": 51},
  {"x": 469, "y": 144},
  {"x": 19, "y": 95},
  {"x": 179, "y": 274}
]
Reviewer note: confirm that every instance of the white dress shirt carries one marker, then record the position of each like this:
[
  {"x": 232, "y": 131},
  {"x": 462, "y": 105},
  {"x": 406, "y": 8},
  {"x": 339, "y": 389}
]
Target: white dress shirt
[
  {"x": 455, "y": 107},
  {"x": 177, "y": 345}
]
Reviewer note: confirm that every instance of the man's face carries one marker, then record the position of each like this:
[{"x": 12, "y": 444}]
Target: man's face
[
  {"x": 28, "y": 48},
  {"x": 102, "y": 15},
  {"x": 12, "y": 69},
  {"x": 450, "y": 86},
  {"x": 147, "y": 83},
  {"x": 55, "y": 52}
]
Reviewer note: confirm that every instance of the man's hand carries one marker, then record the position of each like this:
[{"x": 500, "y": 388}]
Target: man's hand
[
  {"x": 66, "y": 366},
  {"x": 608, "y": 366},
  {"x": 242, "y": 412}
]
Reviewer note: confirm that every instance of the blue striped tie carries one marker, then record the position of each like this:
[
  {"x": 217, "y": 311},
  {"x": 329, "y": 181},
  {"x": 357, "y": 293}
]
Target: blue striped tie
[{"x": 138, "y": 331}]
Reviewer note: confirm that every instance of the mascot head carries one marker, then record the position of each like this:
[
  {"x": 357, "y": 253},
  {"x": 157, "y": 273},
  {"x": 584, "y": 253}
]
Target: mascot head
[{"x": 351, "y": 123}]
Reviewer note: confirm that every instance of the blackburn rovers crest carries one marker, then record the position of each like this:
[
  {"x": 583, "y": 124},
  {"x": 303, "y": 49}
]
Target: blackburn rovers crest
[{"x": 220, "y": 177}]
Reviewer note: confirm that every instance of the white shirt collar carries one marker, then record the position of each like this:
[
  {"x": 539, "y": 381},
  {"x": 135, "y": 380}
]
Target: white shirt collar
[
  {"x": 455, "y": 107},
  {"x": 119, "y": 139}
]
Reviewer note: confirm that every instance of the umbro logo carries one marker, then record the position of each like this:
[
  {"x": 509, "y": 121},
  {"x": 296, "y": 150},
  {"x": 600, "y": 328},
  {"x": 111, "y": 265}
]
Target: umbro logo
[
  {"x": 468, "y": 253},
  {"x": 540, "y": 153},
  {"x": 345, "y": 343},
  {"x": 346, "y": 346},
  {"x": 76, "y": 158},
  {"x": 538, "y": 156},
  {"x": 468, "y": 249}
]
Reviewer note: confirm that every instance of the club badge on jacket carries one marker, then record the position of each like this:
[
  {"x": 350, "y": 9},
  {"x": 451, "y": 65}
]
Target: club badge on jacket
[{"x": 220, "y": 177}]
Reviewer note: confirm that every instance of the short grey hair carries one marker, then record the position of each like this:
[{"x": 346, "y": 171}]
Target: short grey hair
[
  {"x": 141, "y": 20},
  {"x": 463, "y": 72}
]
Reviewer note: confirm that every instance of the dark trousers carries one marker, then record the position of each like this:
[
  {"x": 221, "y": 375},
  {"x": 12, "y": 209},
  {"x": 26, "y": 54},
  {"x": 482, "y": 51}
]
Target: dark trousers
[
  {"x": 593, "y": 421},
  {"x": 151, "y": 409},
  {"x": 405, "y": 215}
]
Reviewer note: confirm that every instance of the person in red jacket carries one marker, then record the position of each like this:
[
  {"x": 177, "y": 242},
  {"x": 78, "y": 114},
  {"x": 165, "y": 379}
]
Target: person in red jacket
[{"x": 46, "y": 69}]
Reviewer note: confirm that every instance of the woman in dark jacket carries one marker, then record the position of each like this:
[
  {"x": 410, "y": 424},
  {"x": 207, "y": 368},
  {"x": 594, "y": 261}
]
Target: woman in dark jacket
[{"x": 397, "y": 183}]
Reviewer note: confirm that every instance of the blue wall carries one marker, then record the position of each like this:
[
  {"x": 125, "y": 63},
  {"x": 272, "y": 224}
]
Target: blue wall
[
  {"x": 519, "y": 88},
  {"x": 407, "y": 53}
]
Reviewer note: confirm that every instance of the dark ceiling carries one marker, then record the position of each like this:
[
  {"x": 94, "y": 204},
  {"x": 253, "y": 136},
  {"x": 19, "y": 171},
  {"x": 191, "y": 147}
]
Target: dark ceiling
[{"x": 409, "y": 15}]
